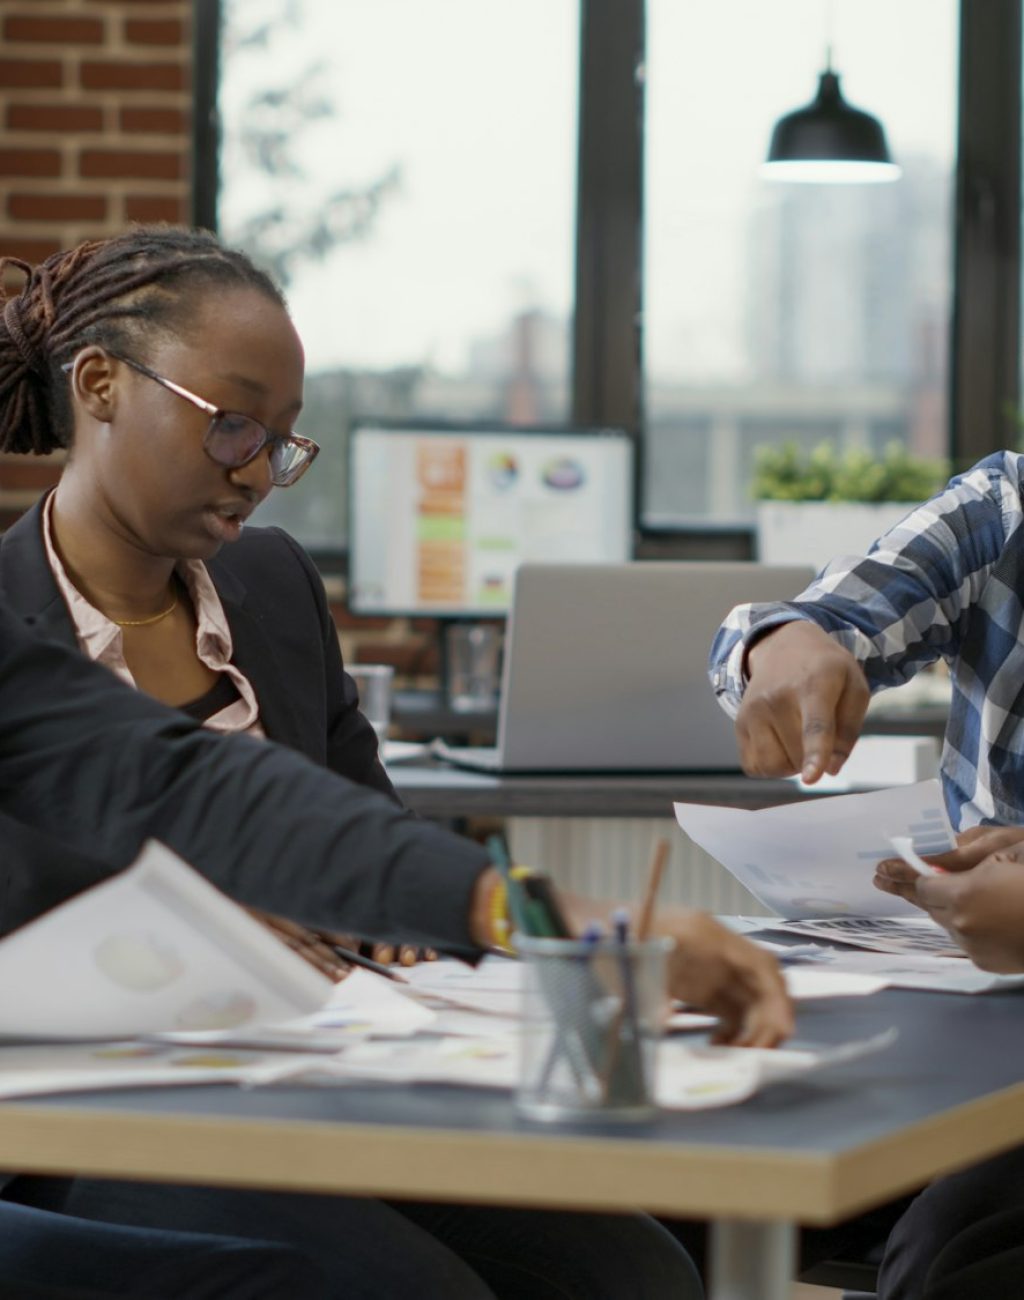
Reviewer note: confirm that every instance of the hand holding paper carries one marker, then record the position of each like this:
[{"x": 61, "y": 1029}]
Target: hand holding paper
[
  {"x": 904, "y": 846},
  {"x": 983, "y": 909}
]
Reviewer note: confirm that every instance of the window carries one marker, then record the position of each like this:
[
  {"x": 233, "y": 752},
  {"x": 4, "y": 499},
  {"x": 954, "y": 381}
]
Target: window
[
  {"x": 432, "y": 146},
  {"x": 785, "y": 312}
]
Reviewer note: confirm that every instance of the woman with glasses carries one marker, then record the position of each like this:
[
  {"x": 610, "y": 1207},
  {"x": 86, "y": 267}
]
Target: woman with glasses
[
  {"x": 125, "y": 558},
  {"x": 169, "y": 369}
]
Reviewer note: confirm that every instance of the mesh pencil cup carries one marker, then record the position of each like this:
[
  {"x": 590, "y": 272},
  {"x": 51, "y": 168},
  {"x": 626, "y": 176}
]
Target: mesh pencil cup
[{"x": 592, "y": 1019}]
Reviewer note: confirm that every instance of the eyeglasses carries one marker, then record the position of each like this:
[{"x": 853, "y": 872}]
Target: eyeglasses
[{"x": 233, "y": 439}]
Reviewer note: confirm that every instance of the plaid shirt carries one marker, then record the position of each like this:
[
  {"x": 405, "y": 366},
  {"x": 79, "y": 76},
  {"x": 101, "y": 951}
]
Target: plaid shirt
[{"x": 947, "y": 582}]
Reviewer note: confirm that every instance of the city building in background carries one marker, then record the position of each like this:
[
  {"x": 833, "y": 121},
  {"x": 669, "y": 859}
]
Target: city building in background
[{"x": 771, "y": 313}]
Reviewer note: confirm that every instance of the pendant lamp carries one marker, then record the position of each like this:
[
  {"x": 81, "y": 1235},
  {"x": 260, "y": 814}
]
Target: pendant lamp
[{"x": 830, "y": 141}]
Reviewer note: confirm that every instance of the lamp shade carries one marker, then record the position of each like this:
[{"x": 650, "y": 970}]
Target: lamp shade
[{"x": 829, "y": 140}]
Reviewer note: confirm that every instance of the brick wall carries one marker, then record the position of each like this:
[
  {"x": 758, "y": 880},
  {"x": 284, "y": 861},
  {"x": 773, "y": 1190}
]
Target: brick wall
[
  {"x": 95, "y": 133},
  {"x": 95, "y": 102}
]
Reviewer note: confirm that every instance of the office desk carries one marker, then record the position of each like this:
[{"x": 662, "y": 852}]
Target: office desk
[
  {"x": 424, "y": 714},
  {"x": 440, "y": 790},
  {"x": 949, "y": 1092}
]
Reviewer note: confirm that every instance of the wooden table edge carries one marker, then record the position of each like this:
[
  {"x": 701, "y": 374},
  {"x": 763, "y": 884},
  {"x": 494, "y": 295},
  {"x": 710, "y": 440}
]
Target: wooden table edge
[{"x": 546, "y": 1168}]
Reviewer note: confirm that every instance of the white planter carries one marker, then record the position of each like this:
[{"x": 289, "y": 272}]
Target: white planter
[{"x": 814, "y": 532}]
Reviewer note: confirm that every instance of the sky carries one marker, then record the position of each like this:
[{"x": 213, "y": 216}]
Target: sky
[{"x": 474, "y": 101}]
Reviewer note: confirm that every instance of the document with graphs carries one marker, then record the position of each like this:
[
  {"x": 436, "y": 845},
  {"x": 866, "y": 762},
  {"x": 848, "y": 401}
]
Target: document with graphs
[{"x": 812, "y": 863}]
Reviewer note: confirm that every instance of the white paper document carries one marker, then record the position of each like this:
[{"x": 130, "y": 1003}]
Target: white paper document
[
  {"x": 698, "y": 1077},
  {"x": 916, "y": 935},
  {"x": 817, "y": 858},
  {"x": 154, "y": 948},
  {"x": 34, "y": 1071},
  {"x": 363, "y": 1005},
  {"x": 805, "y": 983},
  {"x": 690, "y": 1077},
  {"x": 915, "y": 971}
]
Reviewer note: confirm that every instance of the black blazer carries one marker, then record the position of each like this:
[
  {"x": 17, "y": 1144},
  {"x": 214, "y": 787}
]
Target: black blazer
[
  {"x": 88, "y": 765},
  {"x": 284, "y": 642}
]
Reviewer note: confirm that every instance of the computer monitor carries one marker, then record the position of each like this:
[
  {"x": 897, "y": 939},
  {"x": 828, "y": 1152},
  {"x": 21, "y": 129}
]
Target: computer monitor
[{"x": 440, "y": 516}]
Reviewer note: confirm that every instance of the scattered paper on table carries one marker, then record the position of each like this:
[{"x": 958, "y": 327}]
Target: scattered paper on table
[
  {"x": 686, "y": 1022},
  {"x": 697, "y": 1078},
  {"x": 36, "y": 1071},
  {"x": 807, "y": 982},
  {"x": 363, "y": 1005},
  {"x": 689, "y": 1077},
  {"x": 916, "y": 935},
  {"x": 496, "y": 975},
  {"x": 365, "y": 1001},
  {"x": 937, "y": 974},
  {"x": 492, "y": 988}
]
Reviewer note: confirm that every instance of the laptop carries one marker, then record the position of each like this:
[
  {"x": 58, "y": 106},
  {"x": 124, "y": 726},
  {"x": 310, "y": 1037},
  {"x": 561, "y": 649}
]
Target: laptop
[{"x": 606, "y": 667}]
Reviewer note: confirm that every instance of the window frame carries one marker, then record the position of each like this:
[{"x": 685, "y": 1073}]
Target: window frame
[{"x": 607, "y": 336}]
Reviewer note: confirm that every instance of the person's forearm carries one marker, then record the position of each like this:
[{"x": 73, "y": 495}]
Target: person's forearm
[{"x": 105, "y": 768}]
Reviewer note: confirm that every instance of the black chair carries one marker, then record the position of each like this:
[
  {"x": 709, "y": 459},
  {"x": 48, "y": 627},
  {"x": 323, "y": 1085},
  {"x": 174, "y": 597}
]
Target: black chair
[{"x": 856, "y": 1278}]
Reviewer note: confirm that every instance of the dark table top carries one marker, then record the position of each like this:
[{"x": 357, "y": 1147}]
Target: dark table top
[
  {"x": 947, "y": 1092},
  {"x": 440, "y": 790}
]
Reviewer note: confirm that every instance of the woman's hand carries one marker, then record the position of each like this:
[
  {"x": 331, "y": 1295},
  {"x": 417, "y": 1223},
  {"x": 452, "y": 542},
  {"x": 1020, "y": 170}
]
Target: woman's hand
[
  {"x": 307, "y": 943},
  {"x": 406, "y": 954}
]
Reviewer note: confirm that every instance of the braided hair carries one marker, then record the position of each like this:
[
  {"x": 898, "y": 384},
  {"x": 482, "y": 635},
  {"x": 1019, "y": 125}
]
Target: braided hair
[{"x": 112, "y": 292}]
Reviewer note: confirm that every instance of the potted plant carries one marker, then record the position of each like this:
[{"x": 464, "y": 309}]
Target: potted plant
[{"x": 815, "y": 505}]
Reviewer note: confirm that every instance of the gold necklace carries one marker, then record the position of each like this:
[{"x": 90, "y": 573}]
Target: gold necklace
[{"x": 148, "y": 622}]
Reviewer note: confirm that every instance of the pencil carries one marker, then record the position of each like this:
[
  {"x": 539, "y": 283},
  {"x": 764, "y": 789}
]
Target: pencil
[{"x": 655, "y": 871}]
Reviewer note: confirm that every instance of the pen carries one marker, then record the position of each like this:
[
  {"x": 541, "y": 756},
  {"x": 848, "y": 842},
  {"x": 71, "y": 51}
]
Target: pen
[{"x": 367, "y": 963}]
